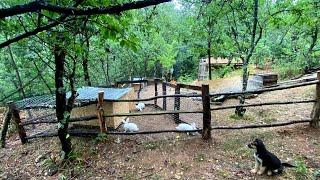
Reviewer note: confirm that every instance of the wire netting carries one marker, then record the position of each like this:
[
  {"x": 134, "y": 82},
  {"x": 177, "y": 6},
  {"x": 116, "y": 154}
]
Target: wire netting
[{"x": 30, "y": 111}]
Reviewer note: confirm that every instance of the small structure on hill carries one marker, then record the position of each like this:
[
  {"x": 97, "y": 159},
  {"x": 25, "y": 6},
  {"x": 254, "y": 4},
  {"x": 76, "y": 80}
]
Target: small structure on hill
[
  {"x": 91, "y": 93},
  {"x": 215, "y": 63},
  {"x": 265, "y": 79}
]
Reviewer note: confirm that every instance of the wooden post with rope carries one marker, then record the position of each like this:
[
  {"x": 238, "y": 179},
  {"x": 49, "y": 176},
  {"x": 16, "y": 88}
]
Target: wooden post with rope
[
  {"x": 316, "y": 107},
  {"x": 102, "y": 121},
  {"x": 206, "y": 131}
]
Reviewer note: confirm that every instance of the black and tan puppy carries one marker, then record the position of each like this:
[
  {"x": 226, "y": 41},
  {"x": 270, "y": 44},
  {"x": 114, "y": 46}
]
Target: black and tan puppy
[{"x": 265, "y": 161}]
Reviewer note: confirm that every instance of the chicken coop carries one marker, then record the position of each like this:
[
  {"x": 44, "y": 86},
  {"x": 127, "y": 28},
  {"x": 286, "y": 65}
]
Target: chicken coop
[{"x": 91, "y": 93}]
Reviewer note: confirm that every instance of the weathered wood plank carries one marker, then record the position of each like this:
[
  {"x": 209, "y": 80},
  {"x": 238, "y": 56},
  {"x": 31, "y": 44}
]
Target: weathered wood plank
[{"x": 316, "y": 107}]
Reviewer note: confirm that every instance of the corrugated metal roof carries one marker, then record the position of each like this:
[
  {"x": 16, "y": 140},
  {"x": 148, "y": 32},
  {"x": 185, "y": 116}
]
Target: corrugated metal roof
[
  {"x": 85, "y": 94},
  {"x": 91, "y": 93}
]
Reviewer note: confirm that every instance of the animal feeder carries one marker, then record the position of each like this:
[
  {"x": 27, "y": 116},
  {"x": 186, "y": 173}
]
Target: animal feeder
[
  {"x": 265, "y": 79},
  {"x": 91, "y": 93}
]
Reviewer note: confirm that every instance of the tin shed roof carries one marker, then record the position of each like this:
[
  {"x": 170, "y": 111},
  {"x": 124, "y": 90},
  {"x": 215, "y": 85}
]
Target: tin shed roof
[{"x": 91, "y": 93}]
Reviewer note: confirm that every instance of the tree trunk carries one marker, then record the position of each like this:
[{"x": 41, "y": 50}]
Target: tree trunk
[
  {"x": 240, "y": 111},
  {"x": 314, "y": 37},
  {"x": 146, "y": 66},
  {"x": 59, "y": 56},
  {"x": 209, "y": 54},
  {"x": 105, "y": 73},
  {"x": 14, "y": 65},
  {"x": 85, "y": 62}
]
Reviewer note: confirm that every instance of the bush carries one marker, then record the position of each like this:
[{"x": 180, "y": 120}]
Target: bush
[
  {"x": 224, "y": 70},
  {"x": 186, "y": 78},
  {"x": 288, "y": 70}
]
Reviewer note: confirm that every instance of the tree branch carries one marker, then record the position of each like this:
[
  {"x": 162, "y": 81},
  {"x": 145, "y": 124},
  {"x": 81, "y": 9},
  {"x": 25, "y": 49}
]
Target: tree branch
[{"x": 36, "y": 6}]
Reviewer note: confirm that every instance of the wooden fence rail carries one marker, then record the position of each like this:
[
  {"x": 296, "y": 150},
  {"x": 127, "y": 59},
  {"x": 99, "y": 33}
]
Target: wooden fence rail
[
  {"x": 207, "y": 128},
  {"x": 252, "y": 126},
  {"x": 262, "y": 104},
  {"x": 259, "y": 91},
  {"x": 88, "y": 118}
]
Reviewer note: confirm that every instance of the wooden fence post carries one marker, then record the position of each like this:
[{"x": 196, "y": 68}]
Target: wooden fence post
[
  {"x": 5, "y": 127},
  {"x": 164, "y": 92},
  {"x": 206, "y": 131},
  {"x": 102, "y": 121},
  {"x": 316, "y": 107},
  {"x": 177, "y": 104},
  {"x": 17, "y": 121},
  {"x": 155, "y": 91}
]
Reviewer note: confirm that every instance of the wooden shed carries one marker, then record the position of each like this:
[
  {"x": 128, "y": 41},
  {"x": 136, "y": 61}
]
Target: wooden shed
[
  {"x": 137, "y": 86},
  {"x": 91, "y": 93}
]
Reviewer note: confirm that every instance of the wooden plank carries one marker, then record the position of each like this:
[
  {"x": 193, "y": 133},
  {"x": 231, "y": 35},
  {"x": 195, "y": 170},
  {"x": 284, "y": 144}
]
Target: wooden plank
[
  {"x": 102, "y": 121},
  {"x": 206, "y": 132},
  {"x": 192, "y": 87},
  {"x": 155, "y": 91},
  {"x": 177, "y": 104},
  {"x": 316, "y": 108},
  {"x": 5, "y": 127},
  {"x": 132, "y": 81},
  {"x": 170, "y": 84},
  {"x": 259, "y": 91},
  {"x": 153, "y": 113},
  {"x": 164, "y": 92},
  {"x": 75, "y": 132},
  {"x": 17, "y": 121}
]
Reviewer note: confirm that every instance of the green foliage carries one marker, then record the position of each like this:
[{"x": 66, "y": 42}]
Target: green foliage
[
  {"x": 288, "y": 70},
  {"x": 102, "y": 137},
  {"x": 301, "y": 167},
  {"x": 316, "y": 174},
  {"x": 156, "y": 40},
  {"x": 151, "y": 146},
  {"x": 186, "y": 78},
  {"x": 224, "y": 70}
]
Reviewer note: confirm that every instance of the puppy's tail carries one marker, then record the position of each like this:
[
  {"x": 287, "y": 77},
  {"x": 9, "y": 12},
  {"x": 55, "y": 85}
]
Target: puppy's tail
[{"x": 287, "y": 165}]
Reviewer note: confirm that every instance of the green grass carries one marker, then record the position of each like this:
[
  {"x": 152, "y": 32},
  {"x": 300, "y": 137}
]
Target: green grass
[
  {"x": 151, "y": 146},
  {"x": 200, "y": 157},
  {"x": 246, "y": 117}
]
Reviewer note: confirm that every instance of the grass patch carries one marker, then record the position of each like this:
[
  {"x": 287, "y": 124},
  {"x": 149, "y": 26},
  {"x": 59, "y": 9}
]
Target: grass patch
[
  {"x": 130, "y": 175},
  {"x": 102, "y": 137},
  {"x": 301, "y": 169},
  {"x": 245, "y": 117},
  {"x": 266, "y": 115},
  {"x": 200, "y": 157},
  {"x": 151, "y": 146},
  {"x": 236, "y": 146}
]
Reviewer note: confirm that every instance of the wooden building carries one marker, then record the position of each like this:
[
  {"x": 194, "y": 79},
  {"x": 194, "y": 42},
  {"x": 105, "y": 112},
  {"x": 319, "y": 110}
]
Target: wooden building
[{"x": 109, "y": 107}]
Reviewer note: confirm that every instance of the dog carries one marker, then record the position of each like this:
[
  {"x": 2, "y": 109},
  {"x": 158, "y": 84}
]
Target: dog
[{"x": 265, "y": 161}]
